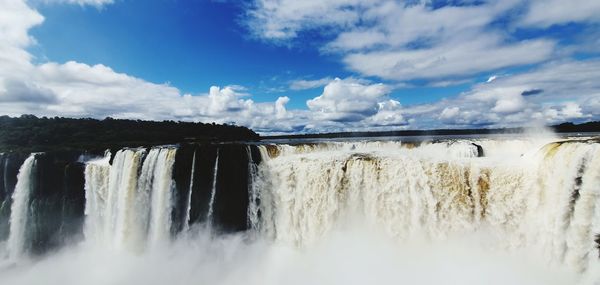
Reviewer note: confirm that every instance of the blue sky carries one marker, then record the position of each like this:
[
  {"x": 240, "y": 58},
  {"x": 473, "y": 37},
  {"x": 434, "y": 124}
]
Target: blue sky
[
  {"x": 281, "y": 66},
  {"x": 191, "y": 44}
]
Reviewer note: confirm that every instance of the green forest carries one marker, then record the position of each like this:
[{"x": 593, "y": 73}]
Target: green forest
[{"x": 29, "y": 133}]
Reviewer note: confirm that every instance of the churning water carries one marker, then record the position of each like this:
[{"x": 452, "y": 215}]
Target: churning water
[{"x": 456, "y": 211}]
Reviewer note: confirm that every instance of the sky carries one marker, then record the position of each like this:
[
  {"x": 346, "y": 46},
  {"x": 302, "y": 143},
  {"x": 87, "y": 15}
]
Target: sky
[{"x": 287, "y": 66}]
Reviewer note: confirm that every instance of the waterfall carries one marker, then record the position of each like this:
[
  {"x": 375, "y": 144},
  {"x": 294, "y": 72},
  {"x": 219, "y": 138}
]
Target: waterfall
[
  {"x": 5, "y": 174},
  {"x": 538, "y": 195},
  {"x": 162, "y": 189},
  {"x": 213, "y": 192},
  {"x": 97, "y": 173},
  {"x": 129, "y": 202},
  {"x": 253, "y": 192},
  {"x": 20, "y": 209},
  {"x": 122, "y": 220},
  {"x": 565, "y": 211},
  {"x": 145, "y": 192},
  {"x": 546, "y": 197},
  {"x": 188, "y": 210}
]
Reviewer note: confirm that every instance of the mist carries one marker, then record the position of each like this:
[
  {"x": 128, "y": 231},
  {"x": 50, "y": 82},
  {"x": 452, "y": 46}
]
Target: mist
[
  {"x": 467, "y": 211},
  {"x": 357, "y": 255}
]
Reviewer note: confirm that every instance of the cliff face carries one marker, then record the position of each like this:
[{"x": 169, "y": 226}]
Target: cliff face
[
  {"x": 9, "y": 168},
  {"x": 205, "y": 184},
  {"x": 53, "y": 209}
]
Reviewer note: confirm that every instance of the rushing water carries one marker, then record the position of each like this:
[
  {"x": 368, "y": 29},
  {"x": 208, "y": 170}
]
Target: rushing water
[
  {"x": 213, "y": 192},
  {"x": 517, "y": 210},
  {"x": 188, "y": 209},
  {"x": 20, "y": 209}
]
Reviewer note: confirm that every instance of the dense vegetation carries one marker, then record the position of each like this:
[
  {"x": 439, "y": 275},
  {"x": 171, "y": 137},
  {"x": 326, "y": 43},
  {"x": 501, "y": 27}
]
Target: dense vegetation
[
  {"x": 29, "y": 133},
  {"x": 573, "y": 128},
  {"x": 562, "y": 128}
]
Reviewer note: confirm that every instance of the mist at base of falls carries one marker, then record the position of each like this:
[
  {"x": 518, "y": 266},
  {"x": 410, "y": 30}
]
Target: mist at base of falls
[
  {"x": 359, "y": 255},
  {"x": 518, "y": 210}
]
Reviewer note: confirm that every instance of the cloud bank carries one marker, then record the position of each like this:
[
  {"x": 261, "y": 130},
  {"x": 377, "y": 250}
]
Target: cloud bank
[{"x": 388, "y": 42}]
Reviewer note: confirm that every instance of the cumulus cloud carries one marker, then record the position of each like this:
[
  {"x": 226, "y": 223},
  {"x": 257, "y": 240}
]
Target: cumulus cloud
[
  {"x": 553, "y": 93},
  {"x": 449, "y": 114},
  {"x": 280, "y": 110},
  {"x": 372, "y": 39},
  {"x": 13, "y": 91},
  {"x": 77, "y": 89},
  {"x": 389, "y": 113},
  {"x": 347, "y": 100},
  {"x": 16, "y": 18}
]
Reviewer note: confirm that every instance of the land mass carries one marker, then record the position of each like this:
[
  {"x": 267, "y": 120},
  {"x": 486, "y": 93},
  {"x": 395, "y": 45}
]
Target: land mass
[
  {"x": 29, "y": 133},
  {"x": 561, "y": 128}
]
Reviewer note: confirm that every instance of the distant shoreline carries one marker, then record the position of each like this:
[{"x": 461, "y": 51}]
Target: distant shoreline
[
  {"x": 589, "y": 127},
  {"x": 29, "y": 133}
]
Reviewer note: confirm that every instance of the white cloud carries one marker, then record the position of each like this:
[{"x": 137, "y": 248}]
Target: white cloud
[
  {"x": 545, "y": 13},
  {"x": 13, "y": 91},
  {"x": 280, "y": 110},
  {"x": 79, "y": 90},
  {"x": 16, "y": 18},
  {"x": 571, "y": 110},
  {"x": 423, "y": 43},
  {"x": 283, "y": 19},
  {"x": 449, "y": 60},
  {"x": 553, "y": 93},
  {"x": 302, "y": 84},
  {"x": 449, "y": 114},
  {"x": 96, "y": 3},
  {"x": 401, "y": 41},
  {"x": 389, "y": 113},
  {"x": 509, "y": 105},
  {"x": 357, "y": 40},
  {"x": 347, "y": 100}
]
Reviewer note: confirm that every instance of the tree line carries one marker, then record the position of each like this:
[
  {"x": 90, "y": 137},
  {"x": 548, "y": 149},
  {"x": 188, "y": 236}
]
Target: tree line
[{"x": 29, "y": 133}]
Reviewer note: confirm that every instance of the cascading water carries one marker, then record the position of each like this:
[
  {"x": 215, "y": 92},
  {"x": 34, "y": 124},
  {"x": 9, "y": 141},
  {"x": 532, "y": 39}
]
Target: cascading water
[
  {"x": 127, "y": 205},
  {"x": 253, "y": 192},
  {"x": 20, "y": 209},
  {"x": 162, "y": 190},
  {"x": 546, "y": 199},
  {"x": 213, "y": 192},
  {"x": 97, "y": 173},
  {"x": 188, "y": 209},
  {"x": 4, "y": 181},
  {"x": 539, "y": 195},
  {"x": 121, "y": 217}
]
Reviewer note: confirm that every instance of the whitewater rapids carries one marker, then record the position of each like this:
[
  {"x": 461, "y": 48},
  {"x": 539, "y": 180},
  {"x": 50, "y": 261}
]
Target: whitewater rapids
[{"x": 493, "y": 211}]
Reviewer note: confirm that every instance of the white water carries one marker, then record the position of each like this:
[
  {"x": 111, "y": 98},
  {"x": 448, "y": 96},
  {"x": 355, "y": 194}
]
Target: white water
[
  {"x": 162, "y": 191},
  {"x": 213, "y": 191},
  {"x": 5, "y": 175},
  {"x": 20, "y": 209},
  {"x": 356, "y": 213},
  {"x": 129, "y": 203},
  {"x": 253, "y": 192},
  {"x": 423, "y": 193},
  {"x": 188, "y": 210}
]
